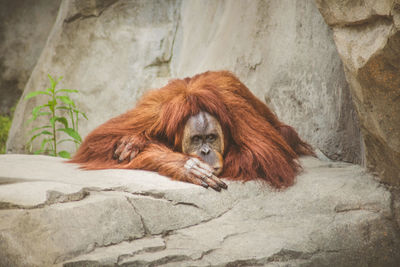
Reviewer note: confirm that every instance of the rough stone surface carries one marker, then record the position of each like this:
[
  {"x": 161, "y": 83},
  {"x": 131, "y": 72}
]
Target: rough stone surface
[
  {"x": 57, "y": 215},
  {"x": 24, "y": 27},
  {"x": 113, "y": 51},
  {"x": 367, "y": 35}
]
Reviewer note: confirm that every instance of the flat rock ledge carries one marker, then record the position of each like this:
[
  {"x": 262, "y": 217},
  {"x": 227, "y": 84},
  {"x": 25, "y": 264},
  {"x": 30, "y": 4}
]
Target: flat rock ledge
[{"x": 53, "y": 214}]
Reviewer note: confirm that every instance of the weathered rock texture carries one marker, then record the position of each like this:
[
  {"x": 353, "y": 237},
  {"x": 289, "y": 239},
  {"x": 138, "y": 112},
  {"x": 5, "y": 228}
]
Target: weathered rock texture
[
  {"x": 113, "y": 51},
  {"x": 24, "y": 27},
  {"x": 367, "y": 35},
  {"x": 55, "y": 214}
]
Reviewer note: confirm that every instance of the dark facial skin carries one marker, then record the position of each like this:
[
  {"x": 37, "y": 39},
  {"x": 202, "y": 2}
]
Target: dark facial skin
[{"x": 203, "y": 137}]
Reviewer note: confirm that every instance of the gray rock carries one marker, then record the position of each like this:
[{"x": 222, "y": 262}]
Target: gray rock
[
  {"x": 24, "y": 27},
  {"x": 367, "y": 35},
  {"x": 114, "y": 51},
  {"x": 284, "y": 52},
  {"x": 57, "y": 215}
]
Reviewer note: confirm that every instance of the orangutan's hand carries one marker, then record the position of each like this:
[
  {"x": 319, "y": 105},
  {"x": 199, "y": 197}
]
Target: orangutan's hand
[
  {"x": 127, "y": 148},
  {"x": 200, "y": 173}
]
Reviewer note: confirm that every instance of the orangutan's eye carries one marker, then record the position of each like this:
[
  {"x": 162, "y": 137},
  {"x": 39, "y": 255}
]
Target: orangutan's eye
[
  {"x": 196, "y": 139},
  {"x": 211, "y": 137}
]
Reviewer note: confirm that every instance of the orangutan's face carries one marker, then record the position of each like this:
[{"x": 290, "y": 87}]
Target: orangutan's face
[{"x": 203, "y": 137}]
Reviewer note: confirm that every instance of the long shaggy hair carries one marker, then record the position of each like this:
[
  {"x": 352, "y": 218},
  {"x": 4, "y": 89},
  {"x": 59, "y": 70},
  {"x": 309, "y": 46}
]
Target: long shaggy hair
[{"x": 257, "y": 144}]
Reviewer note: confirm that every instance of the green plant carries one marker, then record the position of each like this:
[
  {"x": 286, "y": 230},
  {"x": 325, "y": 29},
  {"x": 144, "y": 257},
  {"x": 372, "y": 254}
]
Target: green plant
[
  {"x": 5, "y": 124},
  {"x": 58, "y": 101}
]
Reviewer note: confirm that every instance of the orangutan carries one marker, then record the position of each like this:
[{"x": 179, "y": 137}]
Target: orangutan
[{"x": 196, "y": 129}]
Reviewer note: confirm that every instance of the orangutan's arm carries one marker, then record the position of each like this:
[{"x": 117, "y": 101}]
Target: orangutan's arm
[{"x": 159, "y": 158}]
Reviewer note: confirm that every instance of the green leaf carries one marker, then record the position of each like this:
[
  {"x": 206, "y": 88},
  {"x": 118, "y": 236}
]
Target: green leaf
[
  {"x": 37, "y": 152},
  {"x": 66, "y": 140},
  {"x": 38, "y": 115},
  {"x": 64, "y": 154},
  {"x": 67, "y": 91},
  {"x": 44, "y": 113},
  {"x": 63, "y": 107},
  {"x": 44, "y": 142},
  {"x": 71, "y": 132},
  {"x": 45, "y": 132},
  {"x": 46, "y": 146},
  {"x": 66, "y": 100},
  {"x": 51, "y": 103},
  {"x": 33, "y": 138},
  {"x": 63, "y": 121},
  {"x": 33, "y": 94},
  {"x": 83, "y": 114},
  {"x": 53, "y": 82},
  {"x": 53, "y": 122},
  {"x": 38, "y": 128},
  {"x": 36, "y": 110}
]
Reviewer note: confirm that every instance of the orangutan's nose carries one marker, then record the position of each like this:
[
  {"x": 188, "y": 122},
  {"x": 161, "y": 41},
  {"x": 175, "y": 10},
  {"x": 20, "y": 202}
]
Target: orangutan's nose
[{"x": 205, "y": 150}]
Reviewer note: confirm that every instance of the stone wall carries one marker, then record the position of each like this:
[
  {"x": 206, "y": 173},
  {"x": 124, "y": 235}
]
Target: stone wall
[
  {"x": 284, "y": 52},
  {"x": 24, "y": 27},
  {"x": 367, "y": 35},
  {"x": 113, "y": 51}
]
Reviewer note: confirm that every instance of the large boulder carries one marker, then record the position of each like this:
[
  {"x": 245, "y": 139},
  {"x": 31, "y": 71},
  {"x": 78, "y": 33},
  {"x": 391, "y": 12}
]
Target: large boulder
[
  {"x": 55, "y": 214},
  {"x": 367, "y": 35},
  {"x": 24, "y": 27},
  {"x": 113, "y": 51}
]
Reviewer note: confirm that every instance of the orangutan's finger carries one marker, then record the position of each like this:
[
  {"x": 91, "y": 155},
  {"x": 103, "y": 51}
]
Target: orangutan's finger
[
  {"x": 202, "y": 171},
  {"x": 197, "y": 181},
  {"x": 213, "y": 184},
  {"x": 120, "y": 147},
  {"x": 133, "y": 154},
  {"x": 205, "y": 179},
  {"x": 199, "y": 174},
  {"x": 125, "y": 153},
  {"x": 219, "y": 182},
  {"x": 203, "y": 165}
]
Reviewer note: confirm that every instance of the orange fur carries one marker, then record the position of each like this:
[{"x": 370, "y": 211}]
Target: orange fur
[{"x": 258, "y": 145}]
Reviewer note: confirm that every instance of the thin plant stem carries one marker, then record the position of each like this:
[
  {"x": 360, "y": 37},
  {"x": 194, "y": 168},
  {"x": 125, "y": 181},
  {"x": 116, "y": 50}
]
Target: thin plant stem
[
  {"x": 71, "y": 115},
  {"x": 76, "y": 127},
  {"x": 53, "y": 111}
]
